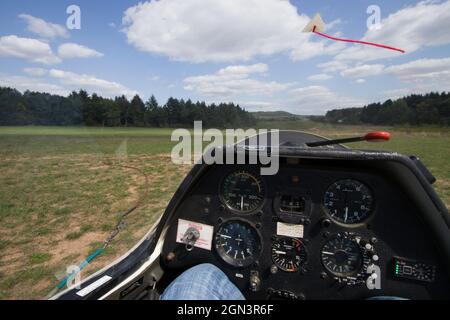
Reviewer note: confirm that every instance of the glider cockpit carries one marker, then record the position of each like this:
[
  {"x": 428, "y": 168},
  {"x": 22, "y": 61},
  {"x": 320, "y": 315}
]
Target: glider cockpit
[{"x": 332, "y": 223}]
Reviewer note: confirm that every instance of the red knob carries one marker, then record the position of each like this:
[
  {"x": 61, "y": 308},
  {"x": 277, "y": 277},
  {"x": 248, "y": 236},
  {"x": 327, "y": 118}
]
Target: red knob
[{"x": 377, "y": 136}]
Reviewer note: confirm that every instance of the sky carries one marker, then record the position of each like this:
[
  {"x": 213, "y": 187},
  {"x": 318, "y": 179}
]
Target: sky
[{"x": 250, "y": 52}]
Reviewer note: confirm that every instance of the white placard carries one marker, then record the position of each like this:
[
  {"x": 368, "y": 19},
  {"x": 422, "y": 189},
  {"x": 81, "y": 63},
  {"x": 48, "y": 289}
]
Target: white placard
[
  {"x": 93, "y": 286},
  {"x": 290, "y": 230},
  {"x": 206, "y": 233}
]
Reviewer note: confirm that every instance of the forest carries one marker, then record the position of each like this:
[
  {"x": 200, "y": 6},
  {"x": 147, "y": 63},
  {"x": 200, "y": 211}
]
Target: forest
[
  {"x": 428, "y": 109},
  {"x": 80, "y": 108}
]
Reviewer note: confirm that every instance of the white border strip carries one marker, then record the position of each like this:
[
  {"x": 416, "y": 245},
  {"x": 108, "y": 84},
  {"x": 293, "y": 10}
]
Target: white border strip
[
  {"x": 155, "y": 255},
  {"x": 93, "y": 286},
  {"x": 118, "y": 260}
]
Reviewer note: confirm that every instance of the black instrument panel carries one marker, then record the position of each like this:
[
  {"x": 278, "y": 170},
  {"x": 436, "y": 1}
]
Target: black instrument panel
[{"x": 315, "y": 230}]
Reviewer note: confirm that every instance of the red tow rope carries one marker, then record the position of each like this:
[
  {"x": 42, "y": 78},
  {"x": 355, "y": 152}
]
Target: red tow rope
[{"x": 357, "y": 41}]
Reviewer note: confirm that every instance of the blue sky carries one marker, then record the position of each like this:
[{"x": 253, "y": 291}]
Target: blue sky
[{"x": 250, "y": 52}]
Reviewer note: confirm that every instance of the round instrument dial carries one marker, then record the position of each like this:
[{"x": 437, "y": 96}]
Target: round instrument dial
[
  {"x": 238, "y": 243},
  {"x": 348, "y": 201},
  {"x": 288, "y": 254},
  {"x": 342, "y": 256},
  {"x": 242, "y": 192}
]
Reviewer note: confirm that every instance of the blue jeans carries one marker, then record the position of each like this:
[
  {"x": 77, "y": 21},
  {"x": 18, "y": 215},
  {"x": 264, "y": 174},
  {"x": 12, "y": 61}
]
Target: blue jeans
[
  {"x": 207, "y": 282},
  {"x": 202, "y": 282}
]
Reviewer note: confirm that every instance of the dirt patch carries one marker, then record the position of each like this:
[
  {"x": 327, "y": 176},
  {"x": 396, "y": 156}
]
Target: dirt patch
[
  {"x": 71, "y": 206},
  {"x": 80, "y": 246},
  {"x": 11, "y": 261}
]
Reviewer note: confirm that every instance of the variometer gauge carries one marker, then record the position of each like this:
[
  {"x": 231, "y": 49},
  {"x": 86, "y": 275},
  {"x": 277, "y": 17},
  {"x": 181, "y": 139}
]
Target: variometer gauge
[
  {"x": 348, "y": 201},
  {"x": 289, "y": 254},
  {"x": 242, "y": 192}
]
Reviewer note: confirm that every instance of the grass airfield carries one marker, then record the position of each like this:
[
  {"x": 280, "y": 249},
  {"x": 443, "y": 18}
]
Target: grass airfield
[{"x": 63, "y": 189}]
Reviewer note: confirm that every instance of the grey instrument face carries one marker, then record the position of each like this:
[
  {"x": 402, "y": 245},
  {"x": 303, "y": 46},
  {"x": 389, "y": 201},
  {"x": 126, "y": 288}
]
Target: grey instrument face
[
  {"x": 348, "y": 201},
  {"x": 242, "y": 192}
]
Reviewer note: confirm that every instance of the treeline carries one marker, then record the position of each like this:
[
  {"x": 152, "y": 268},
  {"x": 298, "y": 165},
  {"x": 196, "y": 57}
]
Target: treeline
[
  {"x": 80, "y": 108},
  {"x": 432, "y": 108}
]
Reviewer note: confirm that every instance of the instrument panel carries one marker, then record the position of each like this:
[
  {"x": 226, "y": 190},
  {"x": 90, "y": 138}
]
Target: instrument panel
[{"x": 313, "y": 231}]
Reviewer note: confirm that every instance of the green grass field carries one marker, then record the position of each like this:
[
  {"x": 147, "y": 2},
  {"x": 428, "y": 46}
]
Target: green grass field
[{"x": 62, "y": 190}]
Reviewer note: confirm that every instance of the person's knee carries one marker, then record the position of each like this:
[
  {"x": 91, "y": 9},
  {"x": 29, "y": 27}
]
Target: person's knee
[
  {"x": 202, "y": 282},
  {"x": 205, "y": 268},
  {"x": 204, "y": 272}
]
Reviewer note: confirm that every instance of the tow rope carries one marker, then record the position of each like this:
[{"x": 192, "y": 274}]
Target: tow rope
[
  {"x": 317, "y": 26},
  {"x": 121, "y": 224},
  {"x": 64, "y": 281},
  {"x": 356, "y": 41}
]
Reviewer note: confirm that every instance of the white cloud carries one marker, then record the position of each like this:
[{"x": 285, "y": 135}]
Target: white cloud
[
  {"x": 29, "y": 49},
  {"x": 422, "y": 68},
  {"x": 35, "y": 72},
  {"x": 333, "y": 24},
  {"x": 420, "y": 76},
  {"x": 63, "y": 83},
  {"x": 233, "y": 81},
  {"x": 33, "y": 84},
  {"x": 333, "y": 66},
  {"x": 92, "y": 84},
  {"x": 423, "y": 75},
  {"x": 43, "y": 28},
  {"x": 417, "y": 77},
  {"x": 320, "y": 77},
  {"x": 360, "y": 81},
  {"x": 314, "y": 100},
  {"x": 397, "y": 93},
  {"x": 240, "y": 83},
  {"x": 306, "y": 50},
  {"x": 154, "y": 78},
  {"x": 362, "y": 71},
  {"x": 221, "y": 30},
  {"x": 73, "y": 50},
  {"x": 244, "y": 70},
  {"x": 412, "y": 28},
  {"x": 258, "y": 105}
]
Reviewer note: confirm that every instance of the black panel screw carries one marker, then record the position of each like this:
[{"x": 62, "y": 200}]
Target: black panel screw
[{"x": 326, "y": 223}]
